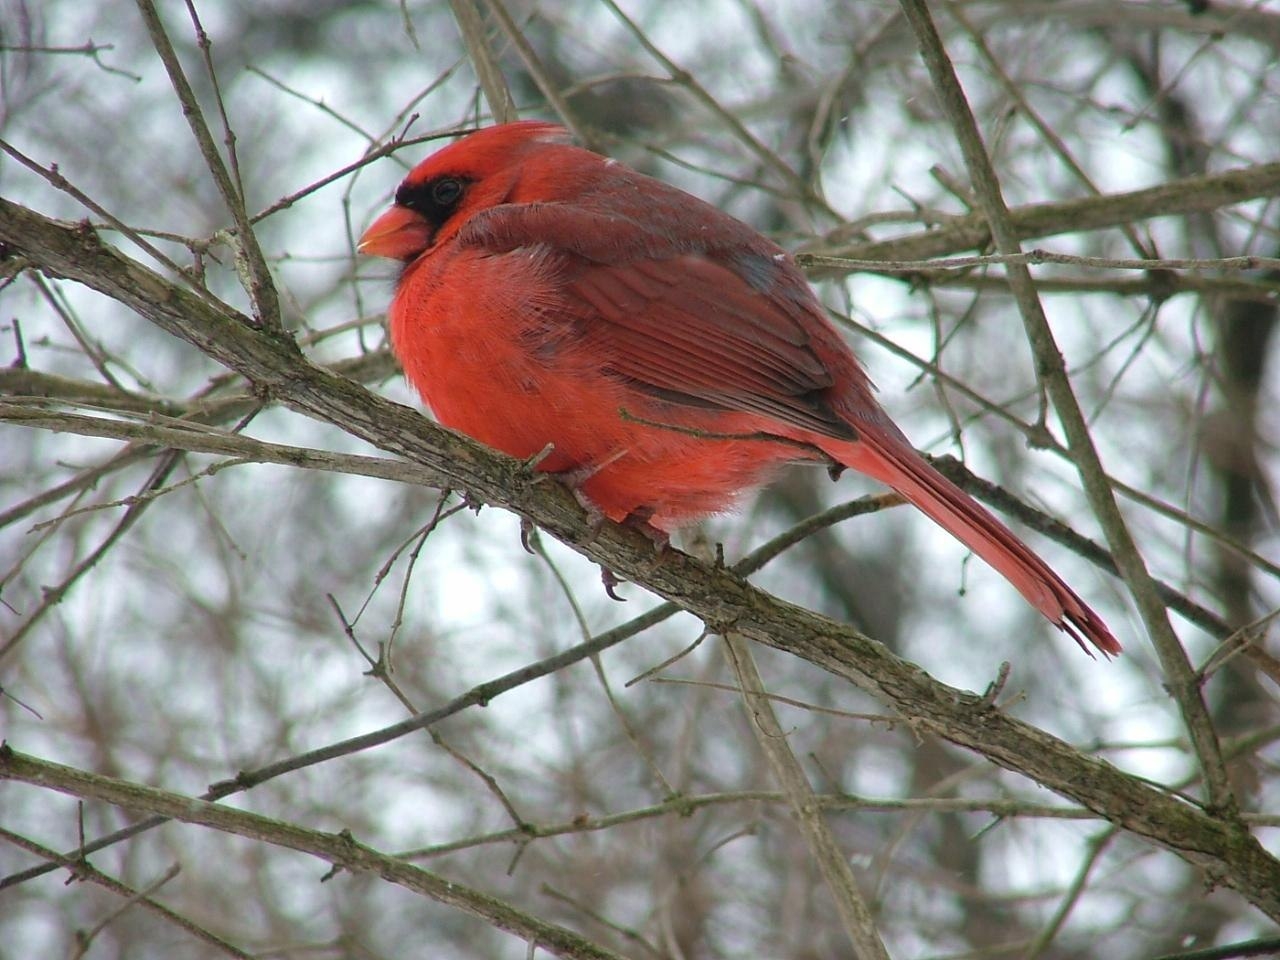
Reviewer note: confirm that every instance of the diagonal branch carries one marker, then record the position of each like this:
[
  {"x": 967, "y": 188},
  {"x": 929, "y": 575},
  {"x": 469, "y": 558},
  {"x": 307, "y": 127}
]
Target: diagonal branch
[
  {"x": 1051, "y": 369},
  {"x": 717, "y": 596},
  {"x": 82, "y": 870},
  {"x": 340, "y": 849},
  {"x": 258, "y": 283},
  {"x": 475, "y": 37},
  {"x": 557, "y": 100},
  {"x": 855, "y": 913}
]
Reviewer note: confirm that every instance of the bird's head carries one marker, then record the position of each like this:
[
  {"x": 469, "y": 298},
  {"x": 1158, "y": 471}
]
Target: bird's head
[{"x": 470, "y": 174}]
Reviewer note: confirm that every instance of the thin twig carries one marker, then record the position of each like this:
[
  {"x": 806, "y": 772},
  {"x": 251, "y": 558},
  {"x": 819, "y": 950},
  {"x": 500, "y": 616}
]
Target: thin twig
[
  {"x": 380, "y": 669},
  {"x": 555, "y": 96},
  {"x": 183, "y": 435},
  {"x": 948, "y": 234},
  {"x": 883, "y": 719},
  {"x": 685, "y": 79},
  {"x": 1263, "y": 947},
  {"x": 855, "y": 914},
  {"x": 54, "y": 595},
  {"x": 624, "y": 722},
  {"x": 205, "y": 46},
  {"x": 81, "y": 869},
  {"x": 1040, "y": 440},
  {"x": 257, "y": 277},
  {"x": 1045, "y": 129},
  {"x": 55, "y": 178},
  {"x": 1158, "y": 287},
  {"x": 89, "y": 49},
  {"x": 685, "y": 805},
  {"x": 84, "y": 938},
  {"x": 628, "y": 934},
  {"x": 1093, "y": 853},
  {"x": 1023, "y": 258},
  {"x": 340, "y": 849}
]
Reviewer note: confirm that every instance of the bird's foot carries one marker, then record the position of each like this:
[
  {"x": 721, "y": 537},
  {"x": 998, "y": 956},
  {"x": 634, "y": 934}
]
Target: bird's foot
[
  {"x": 638, "y": 520},
  {"x": 610, "y": 581},
  {"x": 528, "y": 530},
  {"x": 532, "y": 463},
  {"x": 574, "y": 477}
]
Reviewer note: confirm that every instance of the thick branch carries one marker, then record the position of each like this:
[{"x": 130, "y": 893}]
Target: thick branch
[{"x": 718, "y": 597}]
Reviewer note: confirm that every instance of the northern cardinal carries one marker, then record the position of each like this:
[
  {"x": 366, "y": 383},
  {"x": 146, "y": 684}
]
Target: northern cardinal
[{"x": 671, "y": 356}]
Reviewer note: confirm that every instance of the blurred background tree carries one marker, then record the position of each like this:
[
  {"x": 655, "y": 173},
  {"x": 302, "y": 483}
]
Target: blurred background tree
[{"x": 185, "y": 596}]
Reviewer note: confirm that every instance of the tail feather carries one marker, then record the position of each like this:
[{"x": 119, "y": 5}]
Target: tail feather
[{"x": 898, "y": 465}]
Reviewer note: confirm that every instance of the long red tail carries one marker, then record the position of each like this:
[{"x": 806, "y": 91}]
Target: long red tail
[{"x": 895, "y": 463}]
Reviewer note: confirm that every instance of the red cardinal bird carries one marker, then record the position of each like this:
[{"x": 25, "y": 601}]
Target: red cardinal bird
[{"x": 671, "y": 356}]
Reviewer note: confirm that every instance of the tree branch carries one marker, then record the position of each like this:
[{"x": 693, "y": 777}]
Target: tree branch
[
  {"x": 971, "y": 232},
  {"x": 719, "y": 597},
  {"x": 855, "y": 914},
  {"x": 256, "y": 277},
  {"x": 340, "y": 849},
  {"x": 1051, "y": 369}
]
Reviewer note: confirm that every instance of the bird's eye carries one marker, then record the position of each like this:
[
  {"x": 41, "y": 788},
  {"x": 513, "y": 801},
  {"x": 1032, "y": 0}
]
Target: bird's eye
[
  {"x": 446, "y": 191},
  {"x": 436, "y": 200}
]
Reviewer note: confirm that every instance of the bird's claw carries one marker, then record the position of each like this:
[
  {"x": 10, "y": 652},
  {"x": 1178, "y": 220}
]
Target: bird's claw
[
  {"x": 638, "y": 520},
  {"x": 610, "y": 581},
  {"x": 528, "y": 530},
  {"x": 532, "y": 463}
]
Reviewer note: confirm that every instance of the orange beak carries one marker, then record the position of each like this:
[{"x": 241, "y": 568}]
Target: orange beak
[{"x": 399, "y": 234}]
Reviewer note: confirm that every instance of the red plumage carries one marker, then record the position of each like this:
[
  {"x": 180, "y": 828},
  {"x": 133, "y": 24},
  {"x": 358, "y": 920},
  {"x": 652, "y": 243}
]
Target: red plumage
[{"x": 672, "y": 356}]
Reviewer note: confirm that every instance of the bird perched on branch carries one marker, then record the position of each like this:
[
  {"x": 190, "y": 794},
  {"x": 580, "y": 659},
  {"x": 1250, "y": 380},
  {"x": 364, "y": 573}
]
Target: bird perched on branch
[{"x": 665, "y": 357}]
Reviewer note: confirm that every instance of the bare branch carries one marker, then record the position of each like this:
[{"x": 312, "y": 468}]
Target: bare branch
[
  {"x": 717, "y": 596},
  {"x": 475, "y": 37},
  {"x": 970, "y": 231},
  {"x": 1052, "y": 369},
  {"x": 257, "y": 281},
  {"x": 340, "y": 849},
  {"x": 855, "y": 914}
]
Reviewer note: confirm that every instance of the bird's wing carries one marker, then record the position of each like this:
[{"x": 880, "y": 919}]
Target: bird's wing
[{"x": 732, "y": 325}]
